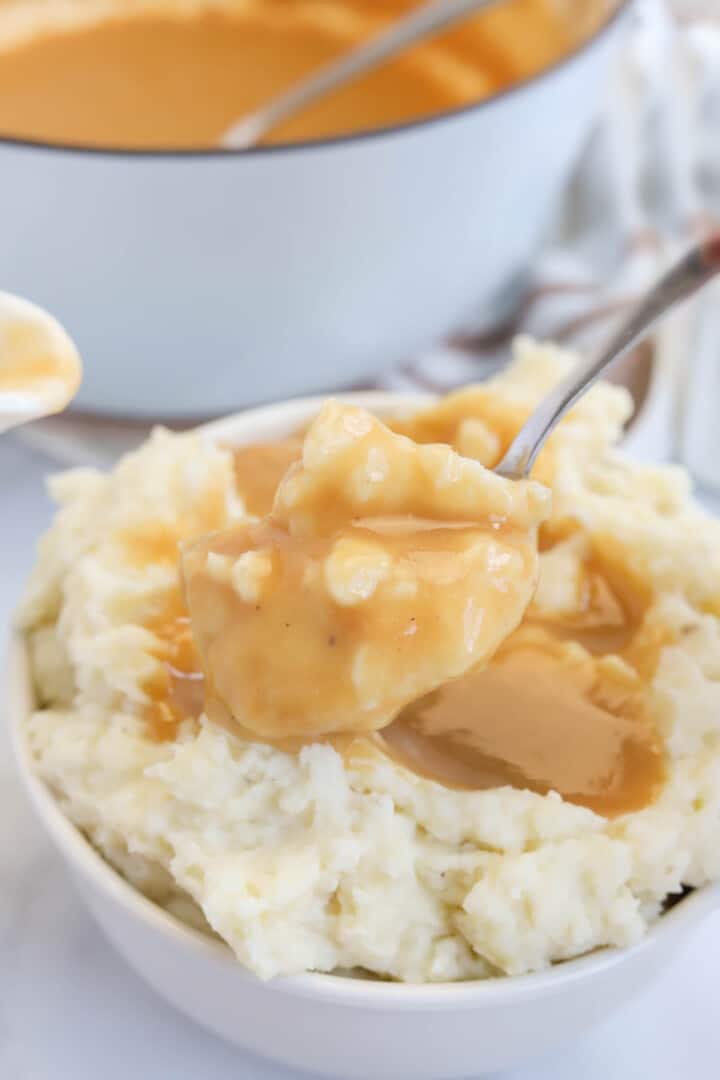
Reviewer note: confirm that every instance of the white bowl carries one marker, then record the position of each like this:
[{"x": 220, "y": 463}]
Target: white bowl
[
  {"x": 197, "y": 282},
  {"x": 339, "y": 1026}
]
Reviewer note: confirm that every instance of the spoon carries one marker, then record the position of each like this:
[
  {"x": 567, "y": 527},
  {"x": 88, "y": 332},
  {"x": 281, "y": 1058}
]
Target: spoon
[
  {"x": 40, "y": 367},
  {"x": 685, "y": 278},
  {"x": 422, "y": 23}
]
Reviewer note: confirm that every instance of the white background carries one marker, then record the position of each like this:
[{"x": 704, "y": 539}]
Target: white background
[{"x": 71, "y": 1010}]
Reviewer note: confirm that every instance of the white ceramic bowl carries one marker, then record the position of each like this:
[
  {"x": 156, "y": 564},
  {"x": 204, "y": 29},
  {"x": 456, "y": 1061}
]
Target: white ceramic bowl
[
  {"x": 194, "y": 283},
  {"x": 338, "y": 1026}
]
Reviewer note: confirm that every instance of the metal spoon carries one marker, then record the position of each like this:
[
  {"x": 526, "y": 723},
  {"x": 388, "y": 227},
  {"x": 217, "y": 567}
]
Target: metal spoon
[
  {"x": 40, "y": 367},
  {"x": 684, "y": 279},
  {"x": 422, "y": 23}
]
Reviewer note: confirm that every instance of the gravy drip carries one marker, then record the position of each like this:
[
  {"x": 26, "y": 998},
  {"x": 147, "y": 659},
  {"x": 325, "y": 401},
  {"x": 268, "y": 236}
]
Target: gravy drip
[{"x": 562, "y": 706}]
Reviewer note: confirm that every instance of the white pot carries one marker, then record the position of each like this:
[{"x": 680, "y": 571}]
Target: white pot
[
  {"x": 195, "y": 282},
  {"x": 337, "y": 1026}
]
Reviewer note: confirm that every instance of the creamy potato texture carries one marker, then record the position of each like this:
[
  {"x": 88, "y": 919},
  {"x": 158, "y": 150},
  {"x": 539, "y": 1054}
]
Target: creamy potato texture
[
  {"x": 363, "y": 854},
  {"x": 385, "y": 569}
]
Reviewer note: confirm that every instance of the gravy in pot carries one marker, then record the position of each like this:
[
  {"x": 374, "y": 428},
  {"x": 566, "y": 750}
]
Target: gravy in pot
[{"x": 163, "y": 76}]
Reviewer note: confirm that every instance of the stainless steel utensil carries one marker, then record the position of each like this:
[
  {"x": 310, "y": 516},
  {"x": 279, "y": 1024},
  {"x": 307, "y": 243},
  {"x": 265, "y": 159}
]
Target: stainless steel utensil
[
  {"x": 691, "y": 273},
  {"x": 422, "y": 23}
]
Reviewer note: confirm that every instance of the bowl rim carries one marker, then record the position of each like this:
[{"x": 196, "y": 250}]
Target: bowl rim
[
  {"x": 81, "y": 856},
  {"x": 610, "y": 20}
]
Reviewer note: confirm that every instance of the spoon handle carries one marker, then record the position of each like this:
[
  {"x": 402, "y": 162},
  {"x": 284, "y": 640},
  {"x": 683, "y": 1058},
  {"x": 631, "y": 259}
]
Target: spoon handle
[
  {"x": 427, "y": 20},
  {"x": 684, "y": 279}
]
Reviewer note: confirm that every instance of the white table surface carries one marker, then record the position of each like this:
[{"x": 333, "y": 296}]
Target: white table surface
[{"x": 71, "y": 1010}]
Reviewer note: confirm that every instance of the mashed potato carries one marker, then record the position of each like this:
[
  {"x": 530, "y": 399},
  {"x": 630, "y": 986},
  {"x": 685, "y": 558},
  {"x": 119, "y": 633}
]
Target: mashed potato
[{"x": 309, "y": 860}]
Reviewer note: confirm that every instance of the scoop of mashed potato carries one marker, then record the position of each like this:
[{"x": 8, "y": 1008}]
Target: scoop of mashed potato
[
  {"x": 312, "y": 860},
  {"x": 384, "y": 570}
]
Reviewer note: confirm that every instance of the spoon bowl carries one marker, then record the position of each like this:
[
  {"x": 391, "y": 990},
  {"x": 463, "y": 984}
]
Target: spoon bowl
[{"x": 40, "y": 367}]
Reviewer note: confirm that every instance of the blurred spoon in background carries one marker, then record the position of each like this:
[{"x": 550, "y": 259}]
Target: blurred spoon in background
[
  {"x": 40, "y": 367},
  {"x": 422, "y": 23},
  {"x": 681, "y": 282}
]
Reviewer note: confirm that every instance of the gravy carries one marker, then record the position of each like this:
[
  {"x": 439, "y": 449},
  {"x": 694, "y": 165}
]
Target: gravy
[
  {"x": 158, "y": 75},
  {"x": 384, "y": 569},
  {"x": 33, "y": 357},
  {"x": 259, "y": 468},
  {"x": 529, "y": 722},
  {"x": 177, "y": 691},
  {"x": 29, "y": 375},
  {"x": 563, "y": 705},
  {"x": 545, "y": 715}
]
